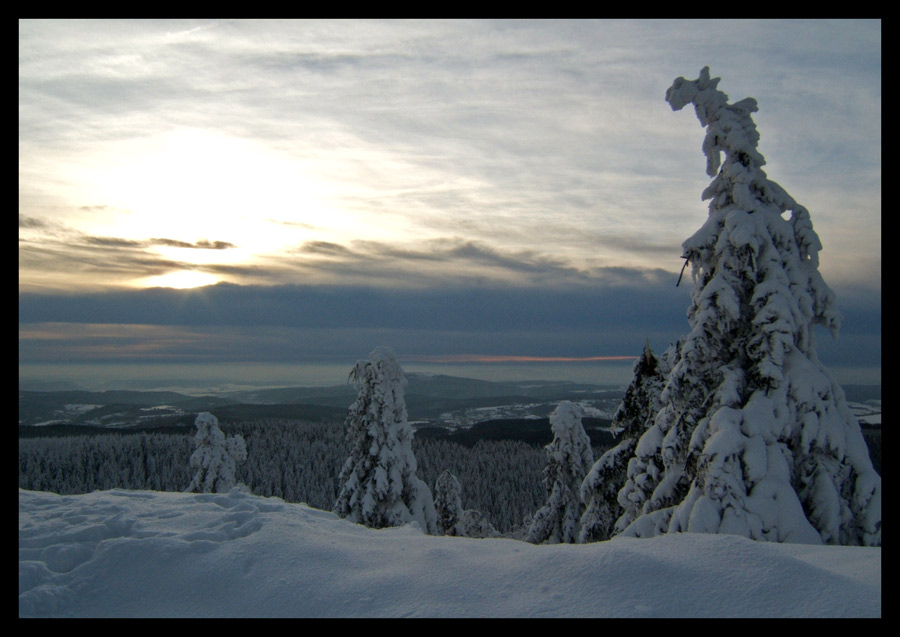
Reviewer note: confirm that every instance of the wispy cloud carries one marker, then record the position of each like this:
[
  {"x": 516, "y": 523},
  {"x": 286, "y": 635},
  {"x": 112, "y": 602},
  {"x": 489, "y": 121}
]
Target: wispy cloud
[
  {"x": 49, "y": 252},
  {"x": 47, "y": 248},
  {"x": 203, "y": 244},
  {"x": 31, "y": 222},
  {"x": 452, "y": 261},
  {"x": 538, "y": 133}
]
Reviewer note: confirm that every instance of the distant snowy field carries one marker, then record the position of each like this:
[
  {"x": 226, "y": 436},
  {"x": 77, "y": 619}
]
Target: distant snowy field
[
  {"x": 868, "y": 413},
  {"x": 152, "y": 554}
]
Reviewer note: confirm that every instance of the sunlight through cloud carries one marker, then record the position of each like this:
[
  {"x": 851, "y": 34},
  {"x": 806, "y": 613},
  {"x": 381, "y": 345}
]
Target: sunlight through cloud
[
  {"x": 189, "y": 184},
  {"x": 180, "y": 280}
]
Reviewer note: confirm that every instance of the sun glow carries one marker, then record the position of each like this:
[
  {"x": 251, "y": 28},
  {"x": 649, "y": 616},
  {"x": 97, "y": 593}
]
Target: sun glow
[
  {"x": 189, "y": 200},
  {"x": 181, "y": 280},
  {"x": 192, "y": 185}
]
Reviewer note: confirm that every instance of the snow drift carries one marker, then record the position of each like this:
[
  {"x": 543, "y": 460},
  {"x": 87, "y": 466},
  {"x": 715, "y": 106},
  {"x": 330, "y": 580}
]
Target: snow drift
[{"x": 153, "y": 554}]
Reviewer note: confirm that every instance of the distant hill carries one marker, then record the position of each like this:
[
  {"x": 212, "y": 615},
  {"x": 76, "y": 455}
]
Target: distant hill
[
  {"x": 427, "y": 398},
  {"x": 462, "y": 409},
  {"x": 117, "y": 408},
  {"x": 289, "y": 411},
  {"x": 430, "y": 393},
  {"x": 534, "y": 431}
]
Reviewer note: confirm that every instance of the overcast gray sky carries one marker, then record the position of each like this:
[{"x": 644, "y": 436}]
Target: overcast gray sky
[{"x": 413, "y": 165}]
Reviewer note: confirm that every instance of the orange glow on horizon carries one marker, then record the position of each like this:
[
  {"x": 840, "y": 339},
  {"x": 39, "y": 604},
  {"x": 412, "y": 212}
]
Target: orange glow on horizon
[{"x": 488, "y": 358}]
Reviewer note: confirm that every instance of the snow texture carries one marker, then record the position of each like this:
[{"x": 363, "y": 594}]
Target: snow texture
[
  {"x": 214, "y": 459},
  {"x": 379, "y": 485},
  {"x": 754, "y": 436},
  {"x": 569, "y": 458},
  {"x": 153, "y": 554}
]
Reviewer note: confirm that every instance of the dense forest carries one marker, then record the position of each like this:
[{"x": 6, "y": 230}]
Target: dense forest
[
  {"x": 298, "y": 462},
  {"x": 293, "y": 460}
]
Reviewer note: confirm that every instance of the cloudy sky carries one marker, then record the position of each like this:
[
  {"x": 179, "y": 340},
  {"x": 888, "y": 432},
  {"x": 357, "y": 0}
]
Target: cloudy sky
[{"x": 255, "y": 195}]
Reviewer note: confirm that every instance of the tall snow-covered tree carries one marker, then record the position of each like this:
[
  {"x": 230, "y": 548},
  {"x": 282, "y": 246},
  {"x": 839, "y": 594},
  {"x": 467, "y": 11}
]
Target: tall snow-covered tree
[
  {"x": 569, "y": 457},
  {"x": 379, "y": 485},
  {"x": 754, "y": 436},
  {"x": 215, "y": 457},
  {"x": 600, "y": 489}
]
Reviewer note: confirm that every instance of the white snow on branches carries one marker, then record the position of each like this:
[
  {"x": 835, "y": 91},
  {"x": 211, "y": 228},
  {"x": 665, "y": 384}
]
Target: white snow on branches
[{"x": 754, "y": 437}]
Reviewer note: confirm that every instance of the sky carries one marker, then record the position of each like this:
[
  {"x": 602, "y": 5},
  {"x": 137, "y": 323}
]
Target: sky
[
  {"x": 123, "y": 553},
  {"x": 259, "y": 199}
]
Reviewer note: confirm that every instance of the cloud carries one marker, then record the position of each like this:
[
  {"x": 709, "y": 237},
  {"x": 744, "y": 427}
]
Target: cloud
[
  {"x": 326, "y": 248},
  {"x": 484, "y": 308},
  {"x": 284, "y": 324},
  {"x": 451, "y": 261},
  {"x": 31, "y": 222},
  {"x": 116, "y": 242},
  {"x": 295, "y": 224},
  {"x": 513, "y": 133},
  {"x": 295, "y": 324},
  {"x": 113, "y": 242},
  {"x": 492, "y": 173},
  {"x": 91, "y": 261},
  {"x": 203, "y": 244},
  {"x": 69, "y": 256},
  {"x": 52, "y": 249}
]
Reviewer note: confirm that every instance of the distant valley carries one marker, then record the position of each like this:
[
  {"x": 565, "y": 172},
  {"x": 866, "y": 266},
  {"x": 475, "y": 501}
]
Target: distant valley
[
  {"x": 437, "y": 404},
  {"x": 432, "y": 400}
]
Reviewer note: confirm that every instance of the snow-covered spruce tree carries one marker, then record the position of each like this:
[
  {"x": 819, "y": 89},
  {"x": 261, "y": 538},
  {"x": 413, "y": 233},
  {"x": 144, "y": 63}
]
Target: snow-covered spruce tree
[
  {"x": 215, "y": 457},
  {"x": 447, "y": 503},
  {"x": 569, "y": 457},
  {"x": 378, "y": 483},
  {"x": 600, "y": 489},
  {"x": 474, "y": 523},
  {"x": 451, "y": 518},
  {"x": 754, "y": 436}
]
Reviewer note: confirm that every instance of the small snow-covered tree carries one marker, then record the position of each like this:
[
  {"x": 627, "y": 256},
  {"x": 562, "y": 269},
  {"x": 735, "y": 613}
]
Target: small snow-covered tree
[
  {"x": 473, "y": 523},
  {"x": 451, "y": 518},
  {"x": 379, "y": 485},
  {"x": 569, "y": 457},
  {"x": 447, "y": 503},
  {"x": 754, "y": 436},
  {"x": 601, "y": 486},
  {"x": 215, "y": 457}
]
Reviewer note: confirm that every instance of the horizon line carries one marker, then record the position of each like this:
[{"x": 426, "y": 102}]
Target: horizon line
[{"x": 499, "y": 358}]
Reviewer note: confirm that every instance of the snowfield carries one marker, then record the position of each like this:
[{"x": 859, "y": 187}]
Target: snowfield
[{"x": 152, "y": 554}]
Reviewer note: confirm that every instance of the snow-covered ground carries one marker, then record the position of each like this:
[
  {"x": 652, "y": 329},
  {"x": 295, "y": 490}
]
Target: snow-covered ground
[
  {"x": 152, "y": 554},
  {"x": 592, "y": 408},
  {"x": 868, "y": 413}
]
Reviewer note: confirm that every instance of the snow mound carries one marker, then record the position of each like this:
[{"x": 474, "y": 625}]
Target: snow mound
[{"x": 151, "y": 554}]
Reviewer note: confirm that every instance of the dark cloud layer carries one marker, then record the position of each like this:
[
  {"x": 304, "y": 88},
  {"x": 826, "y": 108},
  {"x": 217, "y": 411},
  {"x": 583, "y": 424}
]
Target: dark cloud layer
[
  {"x": 227, "y": 323},
  {"x": 492, "y": 308}
]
